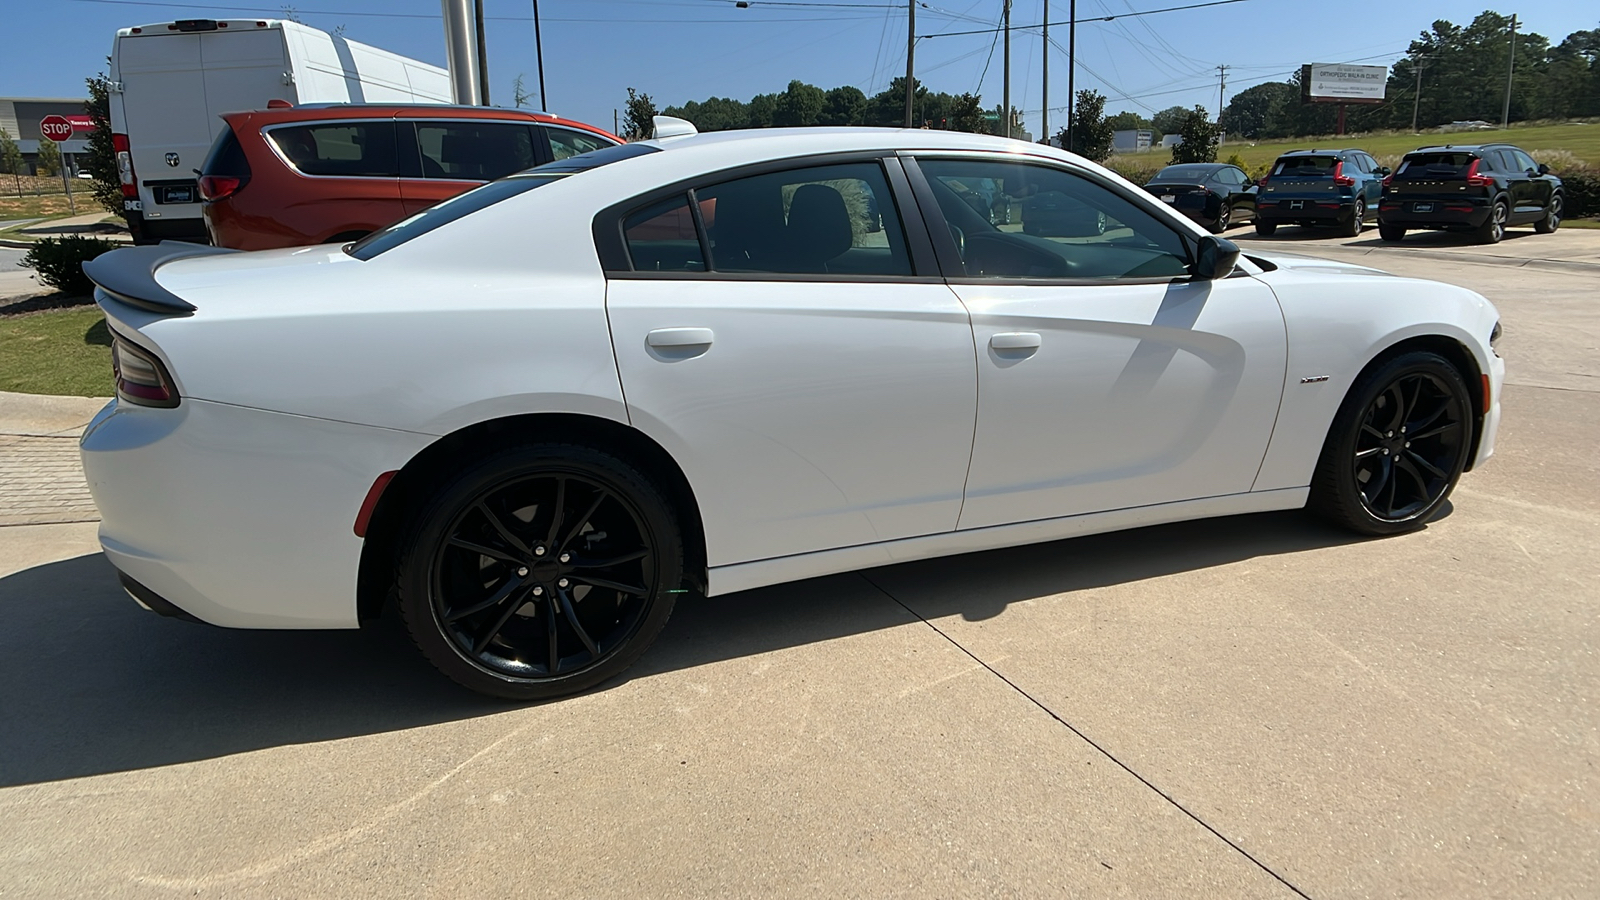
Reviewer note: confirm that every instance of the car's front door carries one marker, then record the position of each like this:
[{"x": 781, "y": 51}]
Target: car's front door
[
  {"x": 1530, "y": 192},
  {"x": 446, "y": 157},
  {"x": 798, "y": 354},
  {"x": 1108, "y": 378}
]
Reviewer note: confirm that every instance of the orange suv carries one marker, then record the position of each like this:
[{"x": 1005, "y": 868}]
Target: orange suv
[{"x": 320, "y": 174}]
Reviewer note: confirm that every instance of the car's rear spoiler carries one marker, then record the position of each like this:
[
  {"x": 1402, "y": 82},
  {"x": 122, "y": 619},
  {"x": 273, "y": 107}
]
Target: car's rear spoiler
[{"x": 128, "y": 275}]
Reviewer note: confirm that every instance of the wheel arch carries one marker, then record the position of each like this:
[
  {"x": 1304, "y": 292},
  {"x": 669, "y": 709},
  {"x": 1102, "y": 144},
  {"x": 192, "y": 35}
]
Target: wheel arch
[
  {"x": 376, "y": 573},
  {"x": 1455, "y": 352}
]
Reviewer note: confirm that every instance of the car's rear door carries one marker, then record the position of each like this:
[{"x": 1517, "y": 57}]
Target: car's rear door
[
  {"x": 1107, "y": 377},
  {"x": 806, "y": 365}
]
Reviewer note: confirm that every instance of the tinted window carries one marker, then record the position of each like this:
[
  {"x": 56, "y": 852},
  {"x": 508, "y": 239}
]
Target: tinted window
[
  {"x": 355, "y": 148},
  {"x": 1444, "y": 164},
  {"x": 474, "y": 151},
  {"x": 1524, "y": 161},
  {"x": 226, "y": 157},
  {"x": 663, "y": 238},
  {"x": 1305, "y": 166},
  {"x": 1195, "y": 174},
  {"x": 1069, "y": 227},
  {"x": 566, "y": 143},
  {"x": 837, "y": 220}
]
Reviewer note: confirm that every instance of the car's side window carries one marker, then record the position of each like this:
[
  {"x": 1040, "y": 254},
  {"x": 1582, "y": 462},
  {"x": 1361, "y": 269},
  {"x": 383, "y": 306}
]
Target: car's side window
[
  {"x": 662, "y": 237},
  {"x": 1068, "y": 227},
  {"x": 474, "y": 151},
  {"x": 362, "y": 149},
  {"x": 566, "y": 143},
  {"x": 1524, "y": 161},
  {"x": 820, "y": 220}
]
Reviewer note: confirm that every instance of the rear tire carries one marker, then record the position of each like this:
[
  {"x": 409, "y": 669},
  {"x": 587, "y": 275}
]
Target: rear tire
[
  {"x": 1352, "y": 228},
  {"x": 1494, "y": 227},
  {"x": 1223, "y": 220},
  {"x": 1552, "y": 217},
  {"x": 1390, "y": 232},
  {"x": 539, "y": 570},
  {"x": 1397, "y": 446},
  {"x": 1266, "y": 229}
]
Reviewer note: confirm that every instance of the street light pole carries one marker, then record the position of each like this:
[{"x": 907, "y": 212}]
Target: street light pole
[
  {"x": 1044, "y": 117},
  {"x": 1072, "y": 65},
  {"x": 538, "y": 50},
  {"x": 1511, "y": 68},
  {"x": 911, "y": 52},
  {"x": 1005, "y": 104},
  {"x": 1416, "y": 101}
]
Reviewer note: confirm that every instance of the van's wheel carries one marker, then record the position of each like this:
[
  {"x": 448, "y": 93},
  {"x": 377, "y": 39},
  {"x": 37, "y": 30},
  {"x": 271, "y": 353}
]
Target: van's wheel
[
  {"x": 1552, "y": 217},
  {"x": 1494, "y": 227},
  {"x": 1397, "y": 446},
  {"x": 1352, "y": 228},
  {"x": 540, "y": 570},
  {"x": 1266, "y": 229},
  {"x": 1390, "y": 232}
]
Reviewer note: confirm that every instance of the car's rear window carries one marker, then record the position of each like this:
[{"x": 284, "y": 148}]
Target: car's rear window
[
  {"x": 1196, "y": 174},
  {"x": 1305, "y": 166},
  {"x": 462, "y": 205},
  {"x": 1447, "y": 164},
  {"x": 350, "y": 149}
]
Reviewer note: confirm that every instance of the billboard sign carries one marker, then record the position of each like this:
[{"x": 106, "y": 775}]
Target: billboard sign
[{"x": 1341, "y": 83}]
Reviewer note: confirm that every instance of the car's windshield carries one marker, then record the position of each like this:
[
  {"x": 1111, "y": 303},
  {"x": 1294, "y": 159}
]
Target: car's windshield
[{"x": 487, "y": 195}]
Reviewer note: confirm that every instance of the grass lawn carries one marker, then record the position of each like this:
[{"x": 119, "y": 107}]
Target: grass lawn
[{"x": 58, "y": 351}]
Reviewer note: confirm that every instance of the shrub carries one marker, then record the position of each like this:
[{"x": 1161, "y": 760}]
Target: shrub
[
  {"x": 59, "y": 262},
  {"x": 1559, "y": 160},
  {"x": 1582, "y": 190},
  {"x": 1136, "y": 171}
]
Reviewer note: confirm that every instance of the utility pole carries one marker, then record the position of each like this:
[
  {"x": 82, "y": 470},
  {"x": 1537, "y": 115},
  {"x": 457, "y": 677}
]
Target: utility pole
[
  {"x": 1222, "y": 87},
  {"x": 483, "y": 52},
  {"x": 466, "y": 87},
  {"x": 538, "y": 50},
  {"x": 1005, "y": 103},
  {"x": 1505, "y": 114},
  {"x": 1072, "y": 65},
  {"x": 1416, "y": 102},
  {"x": 1044, "y": 121},
  {"x": 911, "y": 52}
]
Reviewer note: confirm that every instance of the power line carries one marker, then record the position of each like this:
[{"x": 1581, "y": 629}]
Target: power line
[
  {"x": 277, "y": 12},
  {"x": 1127, "y": 15}
]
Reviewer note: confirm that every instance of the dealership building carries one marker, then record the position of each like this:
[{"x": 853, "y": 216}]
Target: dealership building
[{"x": 20, "y": 116}]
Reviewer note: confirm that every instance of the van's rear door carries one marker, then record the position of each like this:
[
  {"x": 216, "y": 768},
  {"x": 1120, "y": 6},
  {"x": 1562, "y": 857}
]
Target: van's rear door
[{"x": 164, "y": 103}]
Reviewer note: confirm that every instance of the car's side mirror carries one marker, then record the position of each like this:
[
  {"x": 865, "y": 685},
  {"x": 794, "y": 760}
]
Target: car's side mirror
[
  {"x": 1383, "y": 170},
  {"x": 1544, "y": 169},
  {"x": 1215, "y": 258}
]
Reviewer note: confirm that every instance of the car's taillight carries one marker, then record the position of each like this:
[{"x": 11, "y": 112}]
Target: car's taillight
[
  {"x": 216, "y": 187},
  {"x": 1263, "y": 181},
  {"x": 141, "y": 378},
  {"x": 1340, "y": 178},
  {"x": 1476, "y": 180},
  {"x": 119, "y": 146},
  {"x": 1388, "y": 180}
]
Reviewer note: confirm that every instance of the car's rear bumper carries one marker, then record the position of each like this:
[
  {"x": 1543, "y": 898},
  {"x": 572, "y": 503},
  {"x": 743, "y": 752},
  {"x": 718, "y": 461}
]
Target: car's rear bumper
[
  {"x": 234, "y": 516},
  {"x": 1455, "y": 213},
  {"x": 1291, "y": 210}
]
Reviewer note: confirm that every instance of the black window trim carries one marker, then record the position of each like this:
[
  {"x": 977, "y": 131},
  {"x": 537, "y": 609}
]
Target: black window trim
[
  {"x": 272, "y": 143},
  {"x": 950, "y": 258},
  {"x": 612, "y": 247}
]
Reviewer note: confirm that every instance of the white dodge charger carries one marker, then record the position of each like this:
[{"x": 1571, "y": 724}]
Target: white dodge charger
[{"x": 530, "y": 417}]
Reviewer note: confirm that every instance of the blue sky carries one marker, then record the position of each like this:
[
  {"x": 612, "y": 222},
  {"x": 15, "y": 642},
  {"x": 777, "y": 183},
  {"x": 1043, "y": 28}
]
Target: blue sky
[{"x": 679, "y": 50}]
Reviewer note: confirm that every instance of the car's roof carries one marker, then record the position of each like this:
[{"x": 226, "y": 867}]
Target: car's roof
[
  {"x": 316, "y": 111},
  {"x": 1460, "y": 148},
  {"x": 1211, "y": 165},
  {"x": 1320, "y": 152}
]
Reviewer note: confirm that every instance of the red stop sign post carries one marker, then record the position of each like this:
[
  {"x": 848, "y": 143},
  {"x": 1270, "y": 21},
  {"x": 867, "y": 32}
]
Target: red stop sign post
[{"x": 59, "y": 129}]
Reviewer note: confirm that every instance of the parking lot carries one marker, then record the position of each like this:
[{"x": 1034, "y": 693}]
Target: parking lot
[{"x": 1256, "y": 706}]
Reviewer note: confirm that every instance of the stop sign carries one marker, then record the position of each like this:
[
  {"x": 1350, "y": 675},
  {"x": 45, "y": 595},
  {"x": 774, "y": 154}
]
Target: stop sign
[{"x": 56, "y": 128}]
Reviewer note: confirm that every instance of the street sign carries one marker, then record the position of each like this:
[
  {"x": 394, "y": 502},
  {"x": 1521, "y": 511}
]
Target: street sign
[{"x": 56, "y": 128}]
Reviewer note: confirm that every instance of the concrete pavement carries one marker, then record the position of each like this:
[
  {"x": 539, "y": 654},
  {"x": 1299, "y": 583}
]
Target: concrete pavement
[
  {"x": 1256, "y": 706},
  {"x": 1569, "y": 249}
]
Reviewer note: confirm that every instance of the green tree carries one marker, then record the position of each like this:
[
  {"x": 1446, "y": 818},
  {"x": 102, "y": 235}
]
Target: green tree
[
  {"x": 638, "y": 123},
  {"x": 1169, "y": 120},
  {"x": 48, "y": 160},
  {"x": 519, "y": 94},
  {"x": 1248, "y": 112},
  {"x": 888, "y": 108},
  {"x": 101, "y": 159},
  {"x": 763, "y": 110},
  {"x": 800, "y": 105},
  {"x": 843, "y": 106},
  {"x": 966, "y": 114},
  {"x": 11, "y": 159},
  {"x": 714, "y": 114},
  {"x": 1092, "y": 135},
  {"x": 1199, "y": 144}
]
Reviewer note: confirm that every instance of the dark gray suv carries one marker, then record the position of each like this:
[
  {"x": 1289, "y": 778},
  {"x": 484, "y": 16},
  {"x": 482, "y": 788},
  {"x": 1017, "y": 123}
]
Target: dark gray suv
[
  {"x": 1478, "y": 188},
  {"x": 1320, "y": 187}
]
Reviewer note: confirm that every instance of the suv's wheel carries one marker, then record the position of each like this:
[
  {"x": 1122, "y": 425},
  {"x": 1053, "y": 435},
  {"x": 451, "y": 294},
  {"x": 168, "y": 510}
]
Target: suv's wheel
[
  {"x": 1358, "y": 215},
  {"x": 1265, "y": 229},
  {"x": 1494, "y": 227},
  {"x": 1552, "y": 217},
  {"x": 540, "y": 570},
  {"x": 1397, "y": 446},
  {"x": 1390, "y": 232}
]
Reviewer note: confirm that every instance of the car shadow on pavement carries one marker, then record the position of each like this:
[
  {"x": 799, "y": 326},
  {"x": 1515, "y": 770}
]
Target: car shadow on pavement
[{"x": 92, "y": 684}]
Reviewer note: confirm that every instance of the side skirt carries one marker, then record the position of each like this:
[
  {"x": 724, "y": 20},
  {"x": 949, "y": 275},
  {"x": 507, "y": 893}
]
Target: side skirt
[{"x": 744, "y": 576}]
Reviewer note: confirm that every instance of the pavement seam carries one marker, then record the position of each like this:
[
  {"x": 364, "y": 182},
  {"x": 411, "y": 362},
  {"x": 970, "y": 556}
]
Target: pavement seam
[{"x": 1087, "y": 740}]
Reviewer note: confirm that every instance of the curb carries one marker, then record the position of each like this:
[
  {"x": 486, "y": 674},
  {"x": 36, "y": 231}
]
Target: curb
[{"x": 1559, "y": 265}]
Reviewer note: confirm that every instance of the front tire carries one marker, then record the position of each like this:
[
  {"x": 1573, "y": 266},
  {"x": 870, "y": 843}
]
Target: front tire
[
  {"x": 1397, "y": 446},
  {"x": 1552, "y": 217},
  {"x": 1266, "y": 229},
  {"x": 540, "y": 570}
]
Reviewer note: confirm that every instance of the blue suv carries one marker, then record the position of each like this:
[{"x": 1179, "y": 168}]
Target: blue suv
[{"x": 1320, "y": 187}]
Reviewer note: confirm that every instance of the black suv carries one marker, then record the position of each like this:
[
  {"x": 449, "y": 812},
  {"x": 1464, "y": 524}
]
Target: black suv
[
  {"x": 1319, "y": 187},
  {"x": 1479, "y": 188}
]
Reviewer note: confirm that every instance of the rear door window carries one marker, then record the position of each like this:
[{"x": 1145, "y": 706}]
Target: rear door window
[
  {"x": 474, "y": 151},
  {"x": 340, "y": 148},
  {"x": 566, "y": 142},
  {"x": 1524, "y": 162}
]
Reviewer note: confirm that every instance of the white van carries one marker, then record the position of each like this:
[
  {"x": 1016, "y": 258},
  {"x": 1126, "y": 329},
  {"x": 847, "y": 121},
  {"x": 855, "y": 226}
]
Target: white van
[{"x": 171, "y": 80}]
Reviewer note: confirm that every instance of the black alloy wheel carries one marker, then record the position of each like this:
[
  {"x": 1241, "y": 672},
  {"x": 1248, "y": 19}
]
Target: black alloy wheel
[
  {"x": 1397, "y": 447},
  {"x": 541, "y": 571},
  {"x": 1223, "y": 219},
  {"x": 1494, "y": 227},
  {"x": 1552, "y": 217}
]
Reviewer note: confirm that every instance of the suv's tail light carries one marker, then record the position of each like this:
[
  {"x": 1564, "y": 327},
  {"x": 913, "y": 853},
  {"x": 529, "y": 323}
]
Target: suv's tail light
[
  {"x": 119, "y": 146},
  {"x": 1263, "y": 181},
  {"x": 1340, "y": 178},
  {"x": 1388, "y": 180},
  {"x": 141, "y": 378},
  {"x": 216, "y": 187},
  {"x": 1476, "y": 180}
]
